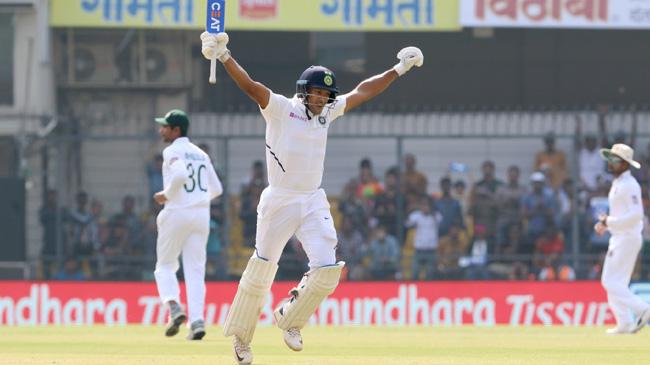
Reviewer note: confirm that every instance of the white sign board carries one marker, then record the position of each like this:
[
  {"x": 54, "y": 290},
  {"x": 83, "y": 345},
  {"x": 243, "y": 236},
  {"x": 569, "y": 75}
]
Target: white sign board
[{"x": 622, "y": 14}]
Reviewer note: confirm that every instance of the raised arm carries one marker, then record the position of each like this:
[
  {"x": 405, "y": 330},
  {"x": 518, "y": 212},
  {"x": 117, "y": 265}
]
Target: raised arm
[
  {"x": 214, "y": 46},
  {"x": 369, "y": 88},
  {"x": 375, "y": 85}
]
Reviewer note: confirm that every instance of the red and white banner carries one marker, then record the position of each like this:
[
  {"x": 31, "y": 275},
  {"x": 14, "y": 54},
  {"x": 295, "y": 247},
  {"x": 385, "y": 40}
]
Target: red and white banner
[
  {"x": 556, "y": 13},
  {"x": 387, "y": 303}
]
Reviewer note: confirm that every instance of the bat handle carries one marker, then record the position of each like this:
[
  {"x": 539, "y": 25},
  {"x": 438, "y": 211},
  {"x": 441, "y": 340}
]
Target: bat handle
[{"x": 213, "y": 71}]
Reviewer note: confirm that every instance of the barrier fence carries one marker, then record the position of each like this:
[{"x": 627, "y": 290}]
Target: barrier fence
[{"x": 111, "y": 160}]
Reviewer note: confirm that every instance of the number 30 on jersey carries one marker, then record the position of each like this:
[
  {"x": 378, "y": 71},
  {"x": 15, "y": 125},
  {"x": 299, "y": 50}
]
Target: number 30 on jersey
[{"x": 195, "y": 178}]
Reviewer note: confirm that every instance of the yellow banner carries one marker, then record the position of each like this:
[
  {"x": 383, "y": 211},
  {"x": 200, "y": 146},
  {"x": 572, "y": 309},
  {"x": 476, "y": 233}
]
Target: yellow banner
[{"x": 281, "y": 15}]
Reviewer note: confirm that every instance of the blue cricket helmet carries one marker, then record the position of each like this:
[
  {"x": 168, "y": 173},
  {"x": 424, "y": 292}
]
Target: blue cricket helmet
[{"x": 318, "y": 77}]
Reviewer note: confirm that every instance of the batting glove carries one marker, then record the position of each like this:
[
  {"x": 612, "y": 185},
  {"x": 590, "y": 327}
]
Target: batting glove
[
  {"x": 213, "y": 46},
  {"x": 408, "y": 57}
]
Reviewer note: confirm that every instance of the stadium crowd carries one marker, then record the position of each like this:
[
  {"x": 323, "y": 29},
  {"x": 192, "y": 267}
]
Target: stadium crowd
[{"x": 390, "y": 227}]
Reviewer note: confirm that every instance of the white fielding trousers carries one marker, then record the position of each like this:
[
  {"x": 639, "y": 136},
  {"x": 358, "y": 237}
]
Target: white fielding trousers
[
  {"x": 281, "y": 214},
  {"x": 183, "y": 231},
  {"x": 617, "y": 272}
]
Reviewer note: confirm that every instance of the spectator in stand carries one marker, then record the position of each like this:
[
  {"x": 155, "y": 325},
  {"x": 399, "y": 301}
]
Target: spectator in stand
[
  {"x": 71, "y": 271},
  {"x": 131, "y": 220},
  {"x": 154, "y": 174},
  {"x": 384, "y": 255},
  {"x": 77, "y": 227},
  {"x": 352, "y": 207},
  {"x": 149, "y": 235},
  {"x": 590, "y": 164},
  {"x": 548, "y": 246},
  {"x": 460, "y": 193},
  {"x": 552, "y": 160},
  {"x": 508, "y": 254},
  {"x": 351, "y": 248},
  {"x": 484, "y": 203},
  {"x": 117, "y": 254},
  {"x": 449, "y": 208},
  {"x": 548, "y": 257},
  {"x": 538, "y": 208},
  {"x": 366, "y": 186},
  {"x": 414, "y": 183},
  {"x": 521, "y": 271},
  {"x": 596, "y": 267},
  {"x": 555, "y": 269},
  {"x": 50, "y": 214},
  {"x": 476, "y": 263},
  {"x": 426, "y": 222},
  {"x": 451, "y": 248},
  {"x": 567, "y": 208},
  {"x": 386, "y": 204},
  {"x": 98, "y": 225},
  {"x": 250, "y": 194},
  {"x": 509, "y": 198},
  {"x": 515, "y": 241}
]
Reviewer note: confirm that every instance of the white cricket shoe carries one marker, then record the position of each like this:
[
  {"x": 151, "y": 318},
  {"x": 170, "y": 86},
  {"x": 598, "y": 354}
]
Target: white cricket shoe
[
  {"x": 620, "y": 331},
  {"x": 242, "y": 350},
  {"x": 644, "y": 318},
  {"x": 292, "y": 338},
  {"x": 197, "y": 330}
]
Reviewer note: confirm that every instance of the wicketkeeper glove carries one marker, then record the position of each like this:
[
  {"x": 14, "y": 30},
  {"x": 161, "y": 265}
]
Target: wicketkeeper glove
[
  {"x": 214, "y": 46},
  {"x": 408, "y": 57}
]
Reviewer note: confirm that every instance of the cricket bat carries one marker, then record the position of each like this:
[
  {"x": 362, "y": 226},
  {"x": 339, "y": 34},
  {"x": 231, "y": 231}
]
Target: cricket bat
[{"x": 215, "y": 23}]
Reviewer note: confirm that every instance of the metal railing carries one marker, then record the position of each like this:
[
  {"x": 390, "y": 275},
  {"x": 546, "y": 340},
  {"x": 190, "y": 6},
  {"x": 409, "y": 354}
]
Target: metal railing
[{"x": 108, "y": 159}]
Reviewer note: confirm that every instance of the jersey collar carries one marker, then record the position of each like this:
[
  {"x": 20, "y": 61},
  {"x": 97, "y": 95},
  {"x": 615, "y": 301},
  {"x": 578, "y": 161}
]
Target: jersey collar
[{"x": 181, "y": 140}]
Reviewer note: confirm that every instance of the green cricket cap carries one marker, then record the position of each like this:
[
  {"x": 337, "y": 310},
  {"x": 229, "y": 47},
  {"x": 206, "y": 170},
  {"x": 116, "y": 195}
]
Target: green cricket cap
[{"x": 175, "y": 118}]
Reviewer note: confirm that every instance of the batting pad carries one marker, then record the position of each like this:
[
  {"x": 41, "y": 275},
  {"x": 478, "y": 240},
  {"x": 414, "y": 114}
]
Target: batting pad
[
  {"x": 245, "y": 310},
  {"x": 315, "y": 286}
]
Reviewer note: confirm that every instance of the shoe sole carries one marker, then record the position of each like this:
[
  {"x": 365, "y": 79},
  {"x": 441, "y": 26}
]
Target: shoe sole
[{"x": 173, "y": 328}]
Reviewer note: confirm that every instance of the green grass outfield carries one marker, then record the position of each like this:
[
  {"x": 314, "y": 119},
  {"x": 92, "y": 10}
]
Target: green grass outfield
[{"x": 502, "y": 345}]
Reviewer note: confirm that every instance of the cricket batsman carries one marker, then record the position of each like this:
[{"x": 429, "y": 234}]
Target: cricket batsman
[
  {"x": 189, "y": 183},
  {"x": 294, "y": 203}
]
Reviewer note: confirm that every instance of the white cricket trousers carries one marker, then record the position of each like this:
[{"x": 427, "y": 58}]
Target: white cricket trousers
[
  {"x": 617, "y": 272},
  {"x": 183, "y": 231},
  {"x": 282, "y": 213}
]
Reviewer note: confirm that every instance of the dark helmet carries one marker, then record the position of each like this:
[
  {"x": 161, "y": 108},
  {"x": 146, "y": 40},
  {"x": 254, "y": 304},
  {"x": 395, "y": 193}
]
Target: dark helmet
[{"x": 318, "y": 77}]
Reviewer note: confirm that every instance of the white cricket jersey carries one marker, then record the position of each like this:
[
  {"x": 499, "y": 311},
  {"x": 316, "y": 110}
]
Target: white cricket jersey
[
  {"x": 295, "y": 144},
  {"x": 625, "y": 206},
  {"x": 189, "y": 178},
  {"x": 426, "y": 229}
]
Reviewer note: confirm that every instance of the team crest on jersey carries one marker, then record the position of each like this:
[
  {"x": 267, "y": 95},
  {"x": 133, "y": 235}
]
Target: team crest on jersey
[
  {"x": 635, "y": 200},
  {"x": 328, "y": 80},
  {"x": 322, "y": 120}
]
